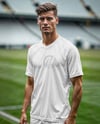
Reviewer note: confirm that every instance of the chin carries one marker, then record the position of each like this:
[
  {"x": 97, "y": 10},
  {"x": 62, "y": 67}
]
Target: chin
[{"x": 46, "y": 33}]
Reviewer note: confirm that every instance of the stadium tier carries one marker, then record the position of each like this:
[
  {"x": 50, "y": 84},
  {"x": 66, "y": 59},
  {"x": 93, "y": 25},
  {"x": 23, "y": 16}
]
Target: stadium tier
[
  {"x": 95, "y": 5},
  {"x": 67, "y": 8},
  {"x": 17, "y": 6},
  {"x": 85, "y": 35},
  {"x": 13, "y": 33}
]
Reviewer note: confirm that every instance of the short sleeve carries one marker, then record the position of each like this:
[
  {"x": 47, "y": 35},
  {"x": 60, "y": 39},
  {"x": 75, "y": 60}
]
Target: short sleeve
[
  {"x": 74, "y": 63},
  {"x": 29, "y": 67}
]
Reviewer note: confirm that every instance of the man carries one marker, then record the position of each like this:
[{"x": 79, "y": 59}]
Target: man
[{"x": 53, "y": 65}]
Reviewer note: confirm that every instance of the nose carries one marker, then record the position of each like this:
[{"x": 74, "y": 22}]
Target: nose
[{"x": 45, "y": 21}]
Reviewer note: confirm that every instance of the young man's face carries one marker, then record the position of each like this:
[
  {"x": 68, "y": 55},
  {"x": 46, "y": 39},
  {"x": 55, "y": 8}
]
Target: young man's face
[{"x": 47, "y": 22}]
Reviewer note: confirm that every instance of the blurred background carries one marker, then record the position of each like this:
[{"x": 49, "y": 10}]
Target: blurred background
[{"x": 79, "y": 23}]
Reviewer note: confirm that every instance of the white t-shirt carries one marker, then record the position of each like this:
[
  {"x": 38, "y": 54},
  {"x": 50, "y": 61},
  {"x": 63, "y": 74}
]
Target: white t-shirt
[{"x": 52, "y": 67}]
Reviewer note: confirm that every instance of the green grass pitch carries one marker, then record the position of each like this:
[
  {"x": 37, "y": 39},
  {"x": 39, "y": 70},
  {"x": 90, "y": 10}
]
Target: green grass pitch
[{"x": 12, "y": 82}]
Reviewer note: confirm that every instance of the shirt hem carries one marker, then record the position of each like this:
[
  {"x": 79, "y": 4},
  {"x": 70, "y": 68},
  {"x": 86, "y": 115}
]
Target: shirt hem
[
  {"x": 28, "y": 74},
  {"x": 76, "y": 75},
  {"x": 53, "y": 120}
]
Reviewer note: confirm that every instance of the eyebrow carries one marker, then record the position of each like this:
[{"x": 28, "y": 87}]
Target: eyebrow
[{"x": 45, "y": 16}]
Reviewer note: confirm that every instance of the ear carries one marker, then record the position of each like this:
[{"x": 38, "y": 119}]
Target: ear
[{"x": 57, "y": 20}]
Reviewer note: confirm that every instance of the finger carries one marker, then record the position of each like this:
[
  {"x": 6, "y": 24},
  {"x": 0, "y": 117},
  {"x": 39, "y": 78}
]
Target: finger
[{"x": 25, "y": 121}]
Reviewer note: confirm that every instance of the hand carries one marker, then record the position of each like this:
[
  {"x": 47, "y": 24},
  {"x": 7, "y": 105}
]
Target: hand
[
  {"x": 70, "y": 120},
  {"x": 23, "y": 119}
]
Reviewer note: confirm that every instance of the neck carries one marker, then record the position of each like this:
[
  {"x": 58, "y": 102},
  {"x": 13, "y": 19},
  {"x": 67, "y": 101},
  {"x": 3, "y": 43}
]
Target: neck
[{"x": 49, "y": 38}]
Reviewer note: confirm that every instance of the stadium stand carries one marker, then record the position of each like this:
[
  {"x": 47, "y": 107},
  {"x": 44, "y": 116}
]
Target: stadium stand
[
  {"x": 74, "y": 32},
  {"x": 18, "y": 22},
  {"x": 94, "y": 30},
  {"x": 23, "y": 7},
  {"x": 67, "y": 8},
  {"x": 1, "y": 9},
  {"x": 95, "y": 5},
  {"x": 13, "y": 33}
]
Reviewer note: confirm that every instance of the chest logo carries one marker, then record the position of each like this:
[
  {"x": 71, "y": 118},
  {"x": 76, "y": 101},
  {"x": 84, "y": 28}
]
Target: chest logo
[{"x": 49, "y": 60}]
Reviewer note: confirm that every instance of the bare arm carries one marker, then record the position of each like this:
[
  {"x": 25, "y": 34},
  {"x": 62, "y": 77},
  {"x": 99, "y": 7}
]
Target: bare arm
[
  {"x": 27, "y": 98},
  {"x": 76, "y": 98}
]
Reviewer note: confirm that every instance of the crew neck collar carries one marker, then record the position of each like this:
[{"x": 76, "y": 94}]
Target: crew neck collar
[{"x": 51, "y": 44}]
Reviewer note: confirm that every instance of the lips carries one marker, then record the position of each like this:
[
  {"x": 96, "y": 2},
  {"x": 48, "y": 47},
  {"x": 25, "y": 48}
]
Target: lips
[{"x": 45, "y": 27}]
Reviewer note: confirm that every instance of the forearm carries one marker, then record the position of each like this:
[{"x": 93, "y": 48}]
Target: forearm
[
  {"x": 26, "y": 99},
  {"x": 76, "y": 97},
  {"x": 27, "y": 96}
]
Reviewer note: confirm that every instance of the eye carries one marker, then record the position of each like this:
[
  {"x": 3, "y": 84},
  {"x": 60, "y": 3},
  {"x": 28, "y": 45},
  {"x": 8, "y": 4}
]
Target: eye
[
  {"x": 49, "y": 18},
  {"x": 41, "y": 18}
]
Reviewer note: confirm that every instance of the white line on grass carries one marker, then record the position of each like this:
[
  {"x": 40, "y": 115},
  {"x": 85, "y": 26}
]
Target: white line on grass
[
  {"x": 10, "y": 117},
  {"x": 10, "y": 107}
]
